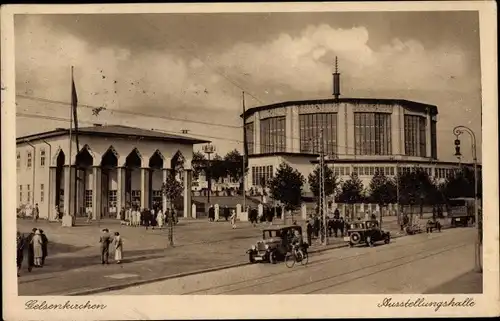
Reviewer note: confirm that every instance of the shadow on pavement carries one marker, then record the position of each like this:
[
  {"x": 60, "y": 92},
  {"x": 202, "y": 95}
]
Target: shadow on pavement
[{"x": 468, "y": 283}]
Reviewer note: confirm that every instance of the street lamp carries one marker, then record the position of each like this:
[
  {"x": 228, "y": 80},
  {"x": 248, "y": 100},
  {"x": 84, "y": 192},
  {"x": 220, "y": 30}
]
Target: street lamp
[
  {"x": 457, "y": 131},
  {"x": 209, "y": 149}
]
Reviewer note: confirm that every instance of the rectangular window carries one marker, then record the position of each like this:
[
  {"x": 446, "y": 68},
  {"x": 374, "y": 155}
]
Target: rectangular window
[
  {"x": 249, "y": 128},
  {"x": 415, "y": 139},
  {"x": 112, "y": 198},
  {"x": 372, "y": 133},
  {"x": 88, "y": 198},
  {"x": 18, "y": 160},
  {"x": 310, "y": 132},
  {"x": 28, "y": 188},
  {"x": 42, "y": 193},
  {"x": 29, "y": 160},
  {"x": 391, "y": 171},
  {"x": 272, "y": 135},
  {"x": 42, "y": 157},
  {"x": 20, "y": 193}
]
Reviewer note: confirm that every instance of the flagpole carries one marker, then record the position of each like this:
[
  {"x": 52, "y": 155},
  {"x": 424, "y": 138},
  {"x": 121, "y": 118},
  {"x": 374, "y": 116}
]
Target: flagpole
[
  {"x": 70, "y": 145},
  {"x": 244, "y": 156}
]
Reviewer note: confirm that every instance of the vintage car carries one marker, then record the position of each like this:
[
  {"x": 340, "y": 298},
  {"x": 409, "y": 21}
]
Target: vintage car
[
  {"x": 461, "y": 211},
  {"x": 366, "y": 232},
  {"x": 275, "y": 244}
]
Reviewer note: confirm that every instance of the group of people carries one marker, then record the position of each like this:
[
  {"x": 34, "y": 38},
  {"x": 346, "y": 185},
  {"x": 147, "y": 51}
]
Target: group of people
[
  {"x": 155, "y": 217},
  {"x": 267, "y": 215},
  {"x": 34, "y": 245},
  {"x": 226, "y": 213},
  {"x": 334, "y": 225},
  {"x": 106, "y": 241}
]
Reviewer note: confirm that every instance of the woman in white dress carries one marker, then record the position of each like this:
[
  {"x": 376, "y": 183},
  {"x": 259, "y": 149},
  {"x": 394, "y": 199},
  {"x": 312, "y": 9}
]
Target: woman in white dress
[
  {"x": 118, "y": 248},
  {"x": 233, "y": 218},
  {"x": 159, "y": 219}
]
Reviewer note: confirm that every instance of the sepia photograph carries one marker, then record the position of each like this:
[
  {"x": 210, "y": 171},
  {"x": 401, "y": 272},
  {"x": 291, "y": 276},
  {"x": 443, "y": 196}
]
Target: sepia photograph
[{"x": 259, "y": 152}]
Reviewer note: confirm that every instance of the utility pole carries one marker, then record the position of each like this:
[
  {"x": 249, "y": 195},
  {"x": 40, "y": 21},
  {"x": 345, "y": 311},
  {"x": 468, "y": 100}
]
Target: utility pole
[
  {"x": 322, "y": 205},
  {"x": 209, "y": 149},
  {"x": 458, "y": 130}
]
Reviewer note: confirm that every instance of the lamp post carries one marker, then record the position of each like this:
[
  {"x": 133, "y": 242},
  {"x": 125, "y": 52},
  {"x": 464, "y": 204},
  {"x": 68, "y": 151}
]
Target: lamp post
[
  {"x": 457, "y": 131},
  {"x": 209, "y": 149}
]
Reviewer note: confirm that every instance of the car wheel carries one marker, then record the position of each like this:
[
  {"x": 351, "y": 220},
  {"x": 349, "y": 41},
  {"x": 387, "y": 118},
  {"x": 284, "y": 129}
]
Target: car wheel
[
  {"x": 355, "y": 238},
  {"x": 251, "y": 259},
  {"x": 272, "y": 258}
]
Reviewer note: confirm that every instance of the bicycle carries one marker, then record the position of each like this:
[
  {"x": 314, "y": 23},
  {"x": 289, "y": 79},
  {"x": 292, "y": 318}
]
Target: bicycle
[{"x": 296, "y": 255}]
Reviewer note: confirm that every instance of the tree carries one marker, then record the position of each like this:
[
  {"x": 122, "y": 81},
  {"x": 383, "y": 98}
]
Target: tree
[
  {"x": 461, "y": 184},
  {"x": 331, "y": 182},
  {"x": 172, "y": 189},
  {"x": 286, "y": 187},
  {"x": 383, "y": 191},
  {"x": 233, "y": 164},
  {"x": 198, "y": 164},
  {"x": 415, "y": 187},
  {"x": 351, "y": 192},
  {"x": 217, "y": 168}
]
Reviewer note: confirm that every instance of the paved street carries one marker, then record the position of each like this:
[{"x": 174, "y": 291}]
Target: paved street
[
  {"x": 415, "y": 264},
  {"x": 73, "y": 265}
]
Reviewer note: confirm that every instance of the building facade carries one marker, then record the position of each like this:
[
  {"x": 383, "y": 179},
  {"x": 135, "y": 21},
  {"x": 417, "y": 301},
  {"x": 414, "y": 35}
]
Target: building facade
[
  {"x": 115, "y": 167},
  {"x": 358, "y": 135}
]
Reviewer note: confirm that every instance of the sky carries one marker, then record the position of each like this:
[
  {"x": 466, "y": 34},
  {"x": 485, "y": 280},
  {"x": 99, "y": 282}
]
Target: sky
[{"x": 175, "y": 72}]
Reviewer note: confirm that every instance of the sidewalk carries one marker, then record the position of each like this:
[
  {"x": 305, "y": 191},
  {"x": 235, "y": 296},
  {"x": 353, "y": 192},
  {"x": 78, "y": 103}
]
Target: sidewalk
[{"x": 73, "y": 264}]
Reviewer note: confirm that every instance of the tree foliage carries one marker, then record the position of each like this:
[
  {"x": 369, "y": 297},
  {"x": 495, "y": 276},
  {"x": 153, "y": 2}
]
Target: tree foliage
[
  {"x": 331, "y": 181},
  {"x": 351, "y": 191},
  {"x": 198, "y": 164},
  {"x": 286, "y": 186},
  {"x": 233, "y": 164},
  {"x": 415, "y": 187},
  {"x": 383, "y": 190},
  {"x": 461, "y": 184},
  {"x": 172, "y": 189}
]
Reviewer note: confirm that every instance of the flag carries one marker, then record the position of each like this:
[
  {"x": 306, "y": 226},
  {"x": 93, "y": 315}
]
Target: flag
[
  {"x": 245, "y": 142},
  {"x": 74, "y": 104}
]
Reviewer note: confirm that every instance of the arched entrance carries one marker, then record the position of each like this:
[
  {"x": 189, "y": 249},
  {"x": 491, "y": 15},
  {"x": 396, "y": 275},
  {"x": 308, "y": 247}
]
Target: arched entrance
[
  {"x": 156, "y": 179},
  {"x": 83, "y": 166},
  {"x": 59, "y": 194},
  {"x": 133, "y": 165},
  {"x": 109, "y": 163},
  {"x": 177, "y": 169}
]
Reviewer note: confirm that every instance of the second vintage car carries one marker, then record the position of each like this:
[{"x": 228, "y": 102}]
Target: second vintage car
[
  {"x": 275, "y": 244},
  {"x": 366, "y": 232}
]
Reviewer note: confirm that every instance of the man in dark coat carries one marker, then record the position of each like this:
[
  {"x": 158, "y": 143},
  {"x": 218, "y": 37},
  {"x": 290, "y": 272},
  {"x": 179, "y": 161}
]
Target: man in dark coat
[
  {"x": 105, "y": 241},
  {"x": 45, "y": 242},
  {"x": 211, "y": 213},
  {"x": 31, "y": 250},
  {"x": 309, "y": 230},
  {"x": 316, "y": 226}
]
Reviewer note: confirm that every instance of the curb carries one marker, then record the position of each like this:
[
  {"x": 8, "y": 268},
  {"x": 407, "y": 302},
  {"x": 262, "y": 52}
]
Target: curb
[{"x": 183, "y": 274}]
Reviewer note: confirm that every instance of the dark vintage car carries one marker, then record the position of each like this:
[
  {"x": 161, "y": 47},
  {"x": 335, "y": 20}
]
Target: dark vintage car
[
  {"x": 275, "y": 244},
  {"x": 366, "y": 232},
  {"x": 461, "y": 211}
]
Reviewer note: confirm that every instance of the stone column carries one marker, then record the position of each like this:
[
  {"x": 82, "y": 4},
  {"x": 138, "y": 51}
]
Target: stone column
[
  {"x": 349, "y": 148},
  {"x": 303, "y": 210},
  {"x": 120, "y": 191},
  {"x": 187, "y": 193},
  {"x": 217, "y": 212},
  {"x": 144, "y": 187},
  {"x": 69, "y": 198},
  {"x": 96, "y": 193},
  {"x": 163, "y": 196},
  {"x": 52, "y": 194},
  {"x": 193, "y": 211}
]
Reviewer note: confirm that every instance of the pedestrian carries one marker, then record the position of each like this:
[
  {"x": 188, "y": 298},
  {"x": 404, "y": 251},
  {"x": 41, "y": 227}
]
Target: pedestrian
[
  {"x": 45, "y": 242},
  {"x": 211, "y": 213},
  {"x": 309, "y": 230},
  {"x": 31, "y": 251},
  {"x": 89, "y": 215},
  {"x": 160, "y": 219},
  {"x": 233, "y": 218},
  {"x": 20, "y": 251},
  {"x": 105, "y": 240},
  {"x": 118, "y": 248},
  {"x": 36, "y": 212},
  {"x": 152, "y": 218},
  {"x": 341, "y": 226},
  {"x": 37, "y": 249}
]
